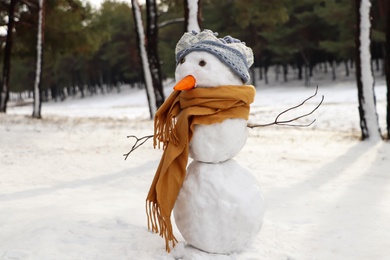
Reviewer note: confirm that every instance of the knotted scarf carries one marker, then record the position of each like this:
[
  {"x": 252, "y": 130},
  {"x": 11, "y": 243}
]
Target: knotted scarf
[{"x": 173, "y": 127}]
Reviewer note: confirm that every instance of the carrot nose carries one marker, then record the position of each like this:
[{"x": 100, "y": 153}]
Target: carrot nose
[{"x": 186, "y": 83}]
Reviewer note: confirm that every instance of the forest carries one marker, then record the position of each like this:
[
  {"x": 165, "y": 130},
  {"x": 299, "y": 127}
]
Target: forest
[
  {"x": 92, "y": 50},
  {"x": 317, "y": 145}
]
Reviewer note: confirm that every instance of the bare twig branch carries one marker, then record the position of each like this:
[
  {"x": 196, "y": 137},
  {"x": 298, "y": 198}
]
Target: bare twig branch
[
  {"x": 169, "y": 22},
  {"x": 287, "y": 122},
  {"x": 138, "y": 143}
]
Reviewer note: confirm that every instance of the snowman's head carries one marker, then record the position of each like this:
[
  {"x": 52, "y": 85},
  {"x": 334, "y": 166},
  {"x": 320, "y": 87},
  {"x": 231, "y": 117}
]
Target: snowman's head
[
  {"x": 210, "y": 61},
  {"x": 206, "y": 69}
]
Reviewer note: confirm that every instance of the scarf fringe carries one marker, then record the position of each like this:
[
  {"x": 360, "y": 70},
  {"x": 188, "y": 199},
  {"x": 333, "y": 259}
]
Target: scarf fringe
[
  {"x": 160, "y": 224},
  {"x": 164, "y": 132}
]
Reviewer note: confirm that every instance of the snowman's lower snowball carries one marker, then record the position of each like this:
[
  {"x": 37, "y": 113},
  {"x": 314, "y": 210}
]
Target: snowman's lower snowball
[{"x": 220, "y": 207}]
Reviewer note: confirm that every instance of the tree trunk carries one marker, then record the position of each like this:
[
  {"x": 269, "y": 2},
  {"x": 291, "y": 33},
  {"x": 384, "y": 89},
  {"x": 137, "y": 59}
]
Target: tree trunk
[
  {"x": 192, "y": 15},
  {"x": 4, "y": 95},
  {"x": 333, "y": 63},
  {"x": 140, "y": 35},
  {"x": 266, "y": 74},
  {"x": 387, "y": 67},
  {"x": 365, "y": 83},
  {"x": 38, "y": 73},
  {"x": 261, "y": 72},
  {"x": 277, "y": 71},
  {"x": 152, "y": 47},
  {"x": 299, "y": 65},
  {"x": 306, "y": 64},
  {"x": 285, "y": 72},
  {"x": 346, "y": 68}
]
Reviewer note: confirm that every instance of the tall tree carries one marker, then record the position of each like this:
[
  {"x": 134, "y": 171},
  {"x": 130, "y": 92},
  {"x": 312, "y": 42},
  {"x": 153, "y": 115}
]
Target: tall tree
[
  {"x": 139, "y": 28},
  {"x": 152, "y": 50},
  {"x": 4, "y": 95},
  {"x": 65, "y": 61},
  {"x": 117, "y": 60},
  {"x": 365, "y": 82},
  {"x": 387, "y": 66},
  {"x": 339, "y": 38},
  {"x": 38, "y": 73}
]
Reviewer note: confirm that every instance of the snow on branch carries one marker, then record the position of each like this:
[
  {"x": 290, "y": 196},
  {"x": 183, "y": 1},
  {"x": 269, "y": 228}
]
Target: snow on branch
[
  {"x": 288, "y": 122},
  {"x": 169, "y": 22}
]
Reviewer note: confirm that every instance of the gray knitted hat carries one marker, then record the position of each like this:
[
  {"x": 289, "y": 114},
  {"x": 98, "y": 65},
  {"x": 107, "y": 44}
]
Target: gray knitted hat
[{"x": 234, "y": 53}]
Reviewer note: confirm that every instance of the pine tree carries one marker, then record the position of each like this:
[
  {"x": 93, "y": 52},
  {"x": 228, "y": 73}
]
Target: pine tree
[{"x": 339, "y": 39}]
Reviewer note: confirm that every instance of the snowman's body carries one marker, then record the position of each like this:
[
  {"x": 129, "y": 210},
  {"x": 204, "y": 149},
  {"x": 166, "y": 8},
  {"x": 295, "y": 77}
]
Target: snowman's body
[
  {"x": 220, "y": 206},
  {"x": 218, "y": 142}
]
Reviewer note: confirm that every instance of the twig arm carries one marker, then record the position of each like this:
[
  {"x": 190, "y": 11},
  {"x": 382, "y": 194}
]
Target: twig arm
[
  {"x": 287, "y": 122},
  {"x": 138, "y": 143}
]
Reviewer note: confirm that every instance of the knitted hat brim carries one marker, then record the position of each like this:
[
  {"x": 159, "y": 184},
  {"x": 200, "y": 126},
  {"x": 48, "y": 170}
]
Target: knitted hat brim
[{"x": 231, "y": 57}]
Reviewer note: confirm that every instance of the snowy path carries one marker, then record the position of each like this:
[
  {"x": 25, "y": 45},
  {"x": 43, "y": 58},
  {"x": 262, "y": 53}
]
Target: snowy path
[{"x": 67, "y": 193}]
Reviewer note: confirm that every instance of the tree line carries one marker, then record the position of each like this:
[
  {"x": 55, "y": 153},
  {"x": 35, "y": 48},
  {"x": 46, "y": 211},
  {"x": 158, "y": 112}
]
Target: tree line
[
  {"x": 89, "y": 51},
  {"x": 88, "y": 48}
]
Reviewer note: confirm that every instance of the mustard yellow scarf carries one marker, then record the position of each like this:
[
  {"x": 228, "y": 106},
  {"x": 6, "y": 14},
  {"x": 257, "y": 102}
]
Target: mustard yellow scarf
[{"x": 173, "y": 127}]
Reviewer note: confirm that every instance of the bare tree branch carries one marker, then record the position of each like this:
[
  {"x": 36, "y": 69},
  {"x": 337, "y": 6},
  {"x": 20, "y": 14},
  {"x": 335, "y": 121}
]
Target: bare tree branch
[
  {"x": 30, "y": 4},
  {"x": 138, "y": 143},
  {"x": 169, "y": 22},
  {"x": 287, "y": 122}
]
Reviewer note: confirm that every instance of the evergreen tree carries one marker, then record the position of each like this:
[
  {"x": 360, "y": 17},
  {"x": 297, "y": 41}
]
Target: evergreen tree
[{"x": 340, "y": 34}]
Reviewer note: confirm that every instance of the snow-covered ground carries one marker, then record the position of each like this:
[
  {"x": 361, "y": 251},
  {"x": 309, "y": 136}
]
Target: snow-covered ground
[{"x": 66, "y": 191}]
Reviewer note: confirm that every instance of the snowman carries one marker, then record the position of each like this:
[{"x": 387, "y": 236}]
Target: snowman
[{"x": 217, "y": 204}]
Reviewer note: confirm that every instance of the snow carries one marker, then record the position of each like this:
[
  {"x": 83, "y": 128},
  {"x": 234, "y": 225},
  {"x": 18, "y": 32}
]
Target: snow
[
  {"x": 67, "y": 193},
  {"x": 220, "y": 207},
  {"x": 218, "y": 142},
  {"x": 193, "y": 24}
]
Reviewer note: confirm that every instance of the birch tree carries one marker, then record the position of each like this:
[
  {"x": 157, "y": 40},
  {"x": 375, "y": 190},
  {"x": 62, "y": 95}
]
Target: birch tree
[
  {"x": 38, "y": 72},
  {"x": 4, "y": 94},
  {"x": 365, "y": 82},
  {"x": 192, "y": 15},
  {"x": 140, "y": 35}
]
